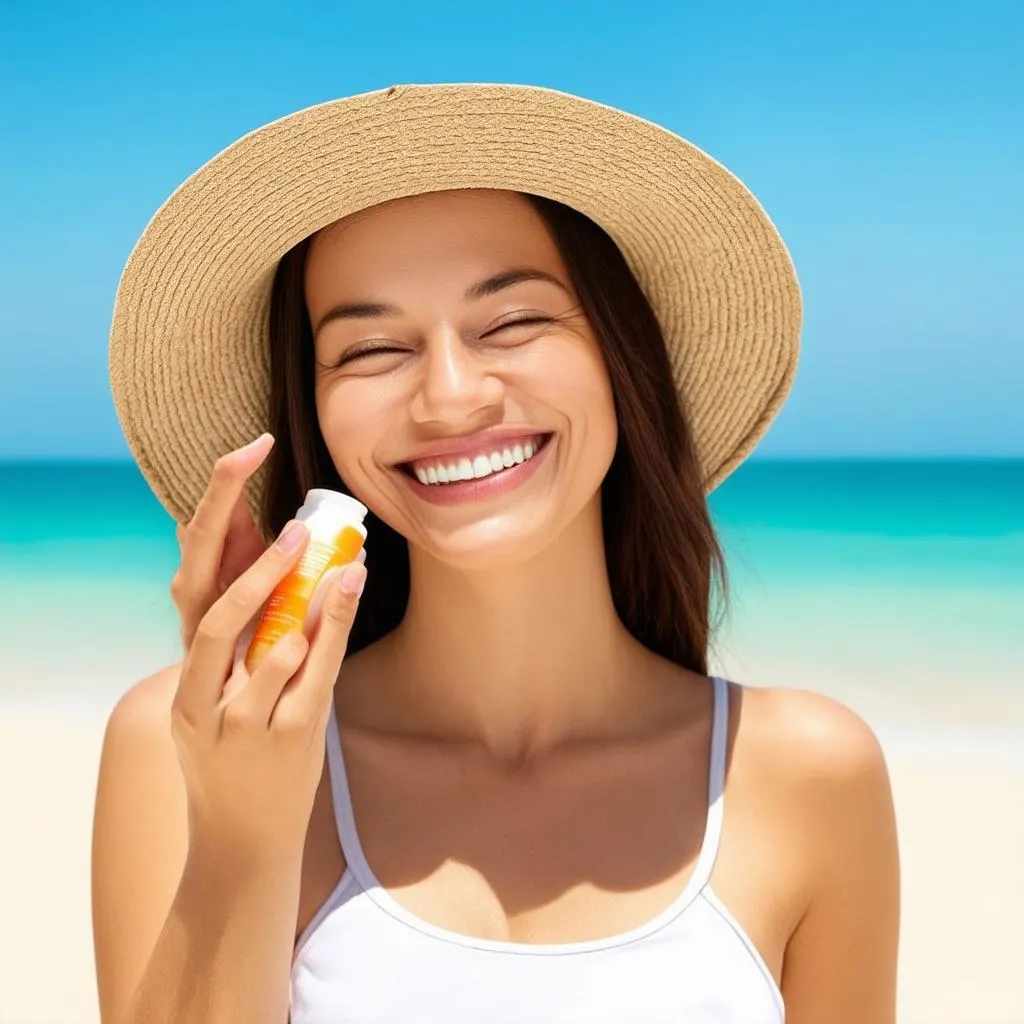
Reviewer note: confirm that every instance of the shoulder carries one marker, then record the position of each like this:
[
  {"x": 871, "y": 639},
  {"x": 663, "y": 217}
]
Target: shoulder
[
  {"x": 815, "y": 789},
  {"x": 138, "y": 751},
  {"x": 144, "y": 710},
  {"x": 811, "y": 783},
  {"x": 808, "y": 739},
  {"x": 818, "y": 769}
]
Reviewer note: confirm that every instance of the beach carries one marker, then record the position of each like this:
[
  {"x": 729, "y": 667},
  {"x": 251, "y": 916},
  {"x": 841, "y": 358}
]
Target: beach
[{"x": 906, "y": 606}]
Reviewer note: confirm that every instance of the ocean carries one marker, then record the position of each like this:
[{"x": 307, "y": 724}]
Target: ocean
[{"x": 903, "y": 579}]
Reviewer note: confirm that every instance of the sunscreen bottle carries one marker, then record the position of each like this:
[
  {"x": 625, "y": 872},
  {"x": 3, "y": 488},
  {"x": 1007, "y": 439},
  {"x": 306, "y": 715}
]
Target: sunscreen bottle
[{"x": 336, "y": 535}]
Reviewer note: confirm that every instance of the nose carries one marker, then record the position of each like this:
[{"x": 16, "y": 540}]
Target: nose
[{"x": 456, "y": 387}]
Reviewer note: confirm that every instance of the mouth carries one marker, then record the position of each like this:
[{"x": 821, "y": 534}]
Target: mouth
[{"x": 497, "y": 466}]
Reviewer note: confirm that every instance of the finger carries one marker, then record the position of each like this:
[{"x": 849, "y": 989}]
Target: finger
[
  {"x": 242, "y": 546},
  {"x": 242, "y": 644},
  {"x": 250, "y": 699},
  {"x": 216, "y": 636},
  {"x": 208, "y": 529},
  {"x": 241, "y": 516},
  {"x": 308, "y": 693},
  {"x": 317, "y": 600},
  {"x": 242, "y": 528}
]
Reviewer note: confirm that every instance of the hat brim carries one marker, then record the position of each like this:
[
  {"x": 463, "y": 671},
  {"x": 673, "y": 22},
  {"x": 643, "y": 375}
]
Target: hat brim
[{"x": 188, "y": 344}]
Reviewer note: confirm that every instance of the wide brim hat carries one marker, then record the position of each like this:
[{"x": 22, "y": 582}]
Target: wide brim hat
[{"x": 189, "y": 345}]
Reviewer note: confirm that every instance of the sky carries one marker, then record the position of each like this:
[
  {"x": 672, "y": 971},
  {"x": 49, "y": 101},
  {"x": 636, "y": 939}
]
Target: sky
[{"x": 885, "y": 140}]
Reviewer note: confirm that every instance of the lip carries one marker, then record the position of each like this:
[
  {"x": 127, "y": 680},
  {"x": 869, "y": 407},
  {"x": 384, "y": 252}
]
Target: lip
[{"x": 490, "y": 486}]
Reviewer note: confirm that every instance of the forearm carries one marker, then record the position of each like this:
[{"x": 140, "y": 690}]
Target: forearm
[{"x": 224, "y": 954}]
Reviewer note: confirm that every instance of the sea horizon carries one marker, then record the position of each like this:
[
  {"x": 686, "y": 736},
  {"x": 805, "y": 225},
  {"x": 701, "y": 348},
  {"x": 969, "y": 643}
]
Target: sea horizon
[{"x": 896, "y": 579}]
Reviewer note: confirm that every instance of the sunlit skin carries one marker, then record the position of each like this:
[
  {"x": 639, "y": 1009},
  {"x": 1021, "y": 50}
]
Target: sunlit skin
[
  {"x": 442, "y": 366},
  {"x": 526, "y": 563},
  {"x": 521, "y": 767}
]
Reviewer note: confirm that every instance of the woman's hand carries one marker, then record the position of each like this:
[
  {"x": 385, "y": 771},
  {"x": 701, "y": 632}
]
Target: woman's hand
[{"x": 251, "y": 746}]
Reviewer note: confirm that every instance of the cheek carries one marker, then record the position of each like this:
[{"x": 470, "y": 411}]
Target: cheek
[
  {"x": 578, "y": 382},
  {"x": 352, "y": 414}
]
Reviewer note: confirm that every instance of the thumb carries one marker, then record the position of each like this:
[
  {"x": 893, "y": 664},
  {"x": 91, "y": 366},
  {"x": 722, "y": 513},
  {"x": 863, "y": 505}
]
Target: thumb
[{"x": 317, "y": 600}]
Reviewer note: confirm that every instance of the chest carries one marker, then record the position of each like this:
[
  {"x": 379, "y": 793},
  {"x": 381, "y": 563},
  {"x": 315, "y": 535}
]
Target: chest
[
  {"x": 589, "y": 846},
  {"x": 593, "y": 847}
]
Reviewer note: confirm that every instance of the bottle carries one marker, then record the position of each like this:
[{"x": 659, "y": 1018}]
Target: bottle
[{"x": 336, "y": 535}]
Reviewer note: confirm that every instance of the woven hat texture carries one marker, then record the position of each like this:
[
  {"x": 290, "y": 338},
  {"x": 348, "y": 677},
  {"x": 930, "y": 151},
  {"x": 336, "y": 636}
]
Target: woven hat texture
[{"x": 188, "y": 344}]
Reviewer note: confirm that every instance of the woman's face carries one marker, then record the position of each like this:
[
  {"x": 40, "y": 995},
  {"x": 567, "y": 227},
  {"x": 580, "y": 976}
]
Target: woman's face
[{"x": 460, "y": 391}]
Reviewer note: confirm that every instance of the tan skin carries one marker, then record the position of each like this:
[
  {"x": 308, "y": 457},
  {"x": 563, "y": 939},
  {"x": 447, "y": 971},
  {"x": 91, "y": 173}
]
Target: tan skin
[{"x": 553, "y": 794}]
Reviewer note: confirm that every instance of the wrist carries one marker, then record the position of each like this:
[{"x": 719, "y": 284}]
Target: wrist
[{"x": 215, "y": 865}]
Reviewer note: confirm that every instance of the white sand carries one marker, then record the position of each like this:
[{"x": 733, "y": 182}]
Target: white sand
[
  {"x": 48, "y": 769},
  {"x": 960, "y": 804}
]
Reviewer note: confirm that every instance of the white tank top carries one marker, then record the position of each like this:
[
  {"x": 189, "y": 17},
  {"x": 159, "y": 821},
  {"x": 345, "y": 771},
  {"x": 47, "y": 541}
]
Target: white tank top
[{"x": 365, "y": 959}]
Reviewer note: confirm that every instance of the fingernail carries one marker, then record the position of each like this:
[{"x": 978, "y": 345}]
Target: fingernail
[
  {"x": 252, "y": 445},
  {"x": 353, "y": 579},
  {"x": 291, "y": 536}
]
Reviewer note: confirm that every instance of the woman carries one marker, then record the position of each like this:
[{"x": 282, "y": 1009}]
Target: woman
[{"x": 521, "y": 798}]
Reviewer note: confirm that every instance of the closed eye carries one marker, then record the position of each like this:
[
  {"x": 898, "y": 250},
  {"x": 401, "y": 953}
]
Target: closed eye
[
  {"x": 366, "y": 350},
  {"x": 524, "y": 321},
  {"x": 384, "y": 348}
]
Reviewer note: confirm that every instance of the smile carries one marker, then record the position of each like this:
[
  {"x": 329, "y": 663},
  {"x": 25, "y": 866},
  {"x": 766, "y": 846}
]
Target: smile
[
  {"x": 502, "y": 465},
  {"x": 450, "y": 471}
]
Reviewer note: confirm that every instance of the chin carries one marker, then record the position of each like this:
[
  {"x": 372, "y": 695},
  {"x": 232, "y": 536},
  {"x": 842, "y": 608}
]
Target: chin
[{"x": 489, "y": 544}]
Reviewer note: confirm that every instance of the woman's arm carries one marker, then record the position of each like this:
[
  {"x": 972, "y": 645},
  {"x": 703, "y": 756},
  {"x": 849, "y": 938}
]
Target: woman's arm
[
  {"x": 139, "y": 838},
  {"x": 207, "y": 780},
  {"x": 840, "y": 963},
  {"x": 176, "y": 939}
]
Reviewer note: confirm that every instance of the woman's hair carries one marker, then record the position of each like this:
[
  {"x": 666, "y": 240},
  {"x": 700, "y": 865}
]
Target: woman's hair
[{"x": 663, "y": 558}]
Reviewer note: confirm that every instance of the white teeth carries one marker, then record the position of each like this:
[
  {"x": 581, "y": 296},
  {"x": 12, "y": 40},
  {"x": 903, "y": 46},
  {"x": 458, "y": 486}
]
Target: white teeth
[{"x": 482, "y": 465}]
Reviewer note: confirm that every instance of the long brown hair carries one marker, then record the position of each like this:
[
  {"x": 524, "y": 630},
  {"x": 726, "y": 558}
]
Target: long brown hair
[{"x": 664, "y": 561}]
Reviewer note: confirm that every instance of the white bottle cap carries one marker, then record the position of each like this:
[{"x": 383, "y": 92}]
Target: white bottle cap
[{"x": 344, "y": 503}]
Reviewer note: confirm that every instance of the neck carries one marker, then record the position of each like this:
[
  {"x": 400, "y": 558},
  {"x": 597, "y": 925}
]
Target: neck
[{"x": 518, "y": 658}]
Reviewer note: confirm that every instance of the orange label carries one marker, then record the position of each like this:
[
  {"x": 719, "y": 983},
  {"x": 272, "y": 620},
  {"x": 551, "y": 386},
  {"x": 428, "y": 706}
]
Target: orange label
[{"x": 286, "y": 609}]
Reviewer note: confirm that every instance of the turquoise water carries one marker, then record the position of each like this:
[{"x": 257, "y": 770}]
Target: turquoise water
[{"x": 912, "y": 569}]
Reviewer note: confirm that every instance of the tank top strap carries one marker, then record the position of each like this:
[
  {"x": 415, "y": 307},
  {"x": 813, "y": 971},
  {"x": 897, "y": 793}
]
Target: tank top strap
[
  {"x": 716, "y": 784},
  {"x": 341, "y": 799}
]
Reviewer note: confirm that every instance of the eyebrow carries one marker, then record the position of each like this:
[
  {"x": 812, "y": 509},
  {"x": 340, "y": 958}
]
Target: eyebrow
[
  {"x": 507, "y": 278},
  {"x": 480, "y": 290}
]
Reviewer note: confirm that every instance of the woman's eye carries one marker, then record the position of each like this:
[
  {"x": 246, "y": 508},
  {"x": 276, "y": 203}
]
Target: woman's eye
[
  {"x": 361, "y": 353},
  {"x": 525, "y": 321}
]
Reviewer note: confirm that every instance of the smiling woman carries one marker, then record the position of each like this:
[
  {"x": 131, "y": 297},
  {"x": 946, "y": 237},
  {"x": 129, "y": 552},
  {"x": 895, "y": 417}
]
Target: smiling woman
[
  {"x": 454, "y": 358},
  {"x": 529, "y": 334}
]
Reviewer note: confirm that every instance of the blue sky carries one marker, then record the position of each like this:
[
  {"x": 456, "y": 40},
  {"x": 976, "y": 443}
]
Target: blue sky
[{"x": 886, "y": 141}]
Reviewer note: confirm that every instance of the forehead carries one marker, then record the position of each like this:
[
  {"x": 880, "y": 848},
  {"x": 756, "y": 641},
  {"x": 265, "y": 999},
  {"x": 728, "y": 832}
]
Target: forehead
[{"x": 472, "y": 230}]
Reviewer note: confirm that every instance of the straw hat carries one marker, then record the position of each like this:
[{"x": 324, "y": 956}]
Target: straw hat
[{"x": 188, "y": 345}]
